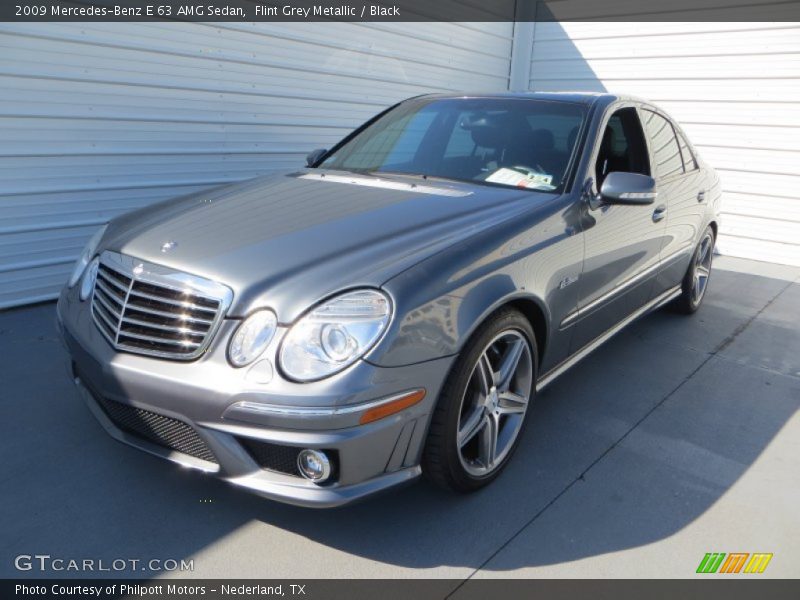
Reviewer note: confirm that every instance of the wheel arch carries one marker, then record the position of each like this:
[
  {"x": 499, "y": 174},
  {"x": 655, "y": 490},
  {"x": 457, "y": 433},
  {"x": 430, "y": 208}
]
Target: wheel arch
[
  {"x": 531, "y": 307},
  {"x": 536, "y": 317}
]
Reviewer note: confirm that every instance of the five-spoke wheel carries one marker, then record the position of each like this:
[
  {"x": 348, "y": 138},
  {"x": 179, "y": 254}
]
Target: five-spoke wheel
[
  {"x": 494, "y": 403},
  {"x": 481, "y": 412},
  {"x": 695, "y": 282},
  {"x": 702, "y": 267}
]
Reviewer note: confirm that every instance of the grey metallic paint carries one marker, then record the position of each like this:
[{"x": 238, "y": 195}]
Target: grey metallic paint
[{"x": 287, "y": 242}]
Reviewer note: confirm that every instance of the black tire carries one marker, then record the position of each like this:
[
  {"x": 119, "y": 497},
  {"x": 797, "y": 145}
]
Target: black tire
[
  {"x": 689, "y": 300},
  {"x": 443, "y": 457}
]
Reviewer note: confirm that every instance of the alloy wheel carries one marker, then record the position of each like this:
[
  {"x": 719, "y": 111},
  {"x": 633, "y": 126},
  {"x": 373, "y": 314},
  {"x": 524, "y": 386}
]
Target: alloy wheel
[
  {"x": 702, "y": 268},
  {"x": 494, "y": 403}
]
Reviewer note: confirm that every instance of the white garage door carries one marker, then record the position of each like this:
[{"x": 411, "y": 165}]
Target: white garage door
[
  {"x": 98, "y": 119},
  {"x": 735, "y": 89}
]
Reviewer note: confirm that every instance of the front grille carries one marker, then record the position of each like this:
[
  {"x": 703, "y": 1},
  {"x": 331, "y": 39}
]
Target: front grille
[
  {"x": 158, "y": 429},
  {"x": 153, "y": 310}
]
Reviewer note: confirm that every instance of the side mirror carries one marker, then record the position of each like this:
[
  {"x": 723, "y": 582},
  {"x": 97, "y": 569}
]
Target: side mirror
[
  {"x": 314, "y": 156},
  {"x": 628, "y": 188}
]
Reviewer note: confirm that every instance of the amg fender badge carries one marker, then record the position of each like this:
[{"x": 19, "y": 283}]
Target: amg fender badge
[{"x": 566, "y": 281}]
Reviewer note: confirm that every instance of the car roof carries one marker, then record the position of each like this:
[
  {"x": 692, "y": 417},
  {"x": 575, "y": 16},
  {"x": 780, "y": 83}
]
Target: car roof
[{"x": 588, "y": 98}]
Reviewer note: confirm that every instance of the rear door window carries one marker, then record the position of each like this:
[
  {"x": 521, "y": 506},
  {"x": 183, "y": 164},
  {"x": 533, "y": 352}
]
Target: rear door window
[{"x": 666, "y": 152}]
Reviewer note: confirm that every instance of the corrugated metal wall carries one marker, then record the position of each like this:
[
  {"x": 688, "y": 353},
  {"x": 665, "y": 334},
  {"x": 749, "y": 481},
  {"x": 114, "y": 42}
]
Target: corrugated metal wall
[
  {"x": 733, "y": 86},
  {"x": 97, "y": 119}
]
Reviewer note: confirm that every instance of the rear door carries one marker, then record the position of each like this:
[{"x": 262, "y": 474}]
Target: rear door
[
  {"x": 679, "y": 181},
  {"x": 622, "y": 243}
]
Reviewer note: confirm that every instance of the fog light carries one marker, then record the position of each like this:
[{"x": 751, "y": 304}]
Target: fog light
[{"x": 314, "y": 465}]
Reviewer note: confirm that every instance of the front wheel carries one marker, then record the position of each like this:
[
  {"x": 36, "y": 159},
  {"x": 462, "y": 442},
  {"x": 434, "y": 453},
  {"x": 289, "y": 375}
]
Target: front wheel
[
  {"x": 695, "y": 282},
  {"x": 481, "y": 411}
]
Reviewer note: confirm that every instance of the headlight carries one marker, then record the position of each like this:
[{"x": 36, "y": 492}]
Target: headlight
[
  {"x": 335, "y": 334},
  {"x": 86, "y": 256},
  {"x": 252, "y": 338}
]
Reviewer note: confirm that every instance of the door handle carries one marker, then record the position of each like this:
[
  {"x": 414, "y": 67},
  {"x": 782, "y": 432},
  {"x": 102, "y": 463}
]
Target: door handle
[
  {"x": 659, "y": 213},
  {"x": 701, "y": 195}
]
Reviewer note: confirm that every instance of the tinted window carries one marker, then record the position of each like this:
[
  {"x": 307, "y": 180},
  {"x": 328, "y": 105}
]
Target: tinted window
[
  {"x": 689, "y": 161},
  {"x": 563, "y": 128},
  {"x": 515, "y": 142},
  {"x": 460, "y": 143},
  {"x": 397, "y": 142},
  {"x": 665, "y": 146},
  {"x": 622, "y": 147}
]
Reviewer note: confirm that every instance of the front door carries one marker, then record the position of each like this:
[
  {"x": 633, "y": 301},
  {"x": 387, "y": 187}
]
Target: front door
[{"x": 622, "y": 243}]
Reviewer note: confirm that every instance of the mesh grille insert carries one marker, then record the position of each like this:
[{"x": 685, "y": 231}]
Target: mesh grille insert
[
  {"x": 274, "y": 457},
  {"x": 158, "y": 429}
]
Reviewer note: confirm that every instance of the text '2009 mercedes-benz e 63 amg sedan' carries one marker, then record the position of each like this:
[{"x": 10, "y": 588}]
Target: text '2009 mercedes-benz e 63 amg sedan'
[{"x": 391, "y": 309}]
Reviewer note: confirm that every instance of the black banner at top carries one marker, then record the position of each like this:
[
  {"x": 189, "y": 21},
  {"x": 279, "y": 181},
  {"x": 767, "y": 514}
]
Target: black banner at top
[{"x": 399, "y": 10}]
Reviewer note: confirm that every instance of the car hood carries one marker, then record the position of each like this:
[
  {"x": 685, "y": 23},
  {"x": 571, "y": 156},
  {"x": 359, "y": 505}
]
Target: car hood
[{"x": 287, "y": 241}]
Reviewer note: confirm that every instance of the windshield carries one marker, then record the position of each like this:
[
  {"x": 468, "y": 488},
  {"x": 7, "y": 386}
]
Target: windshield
[{"x": 502, "y": 141}]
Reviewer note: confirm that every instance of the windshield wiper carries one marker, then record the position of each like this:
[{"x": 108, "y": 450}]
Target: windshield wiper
[{"x": 481, "y": 182}]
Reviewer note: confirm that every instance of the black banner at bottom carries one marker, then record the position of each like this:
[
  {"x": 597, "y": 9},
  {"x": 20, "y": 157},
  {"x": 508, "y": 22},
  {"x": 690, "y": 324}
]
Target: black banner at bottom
[{"x": 391, "y": 589}]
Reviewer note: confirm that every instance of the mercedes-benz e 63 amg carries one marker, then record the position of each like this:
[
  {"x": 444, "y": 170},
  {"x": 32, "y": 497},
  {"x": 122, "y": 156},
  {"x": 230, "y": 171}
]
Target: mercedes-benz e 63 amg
[{"x": 391, "y": 309}]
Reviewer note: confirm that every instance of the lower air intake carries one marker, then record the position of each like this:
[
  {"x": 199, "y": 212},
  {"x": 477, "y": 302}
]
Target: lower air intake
[
  {"x": 273, "y": 457},
  {"x": 158, "y": 429}
]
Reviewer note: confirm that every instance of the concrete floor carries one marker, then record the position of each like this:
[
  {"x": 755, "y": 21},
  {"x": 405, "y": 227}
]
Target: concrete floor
[{"x": 679, "y": 437}]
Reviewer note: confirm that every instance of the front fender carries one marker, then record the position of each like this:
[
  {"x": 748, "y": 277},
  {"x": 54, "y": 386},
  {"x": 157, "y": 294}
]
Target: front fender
[
  {"x": 440, "y": 302},
  {"x": 442, "y": 326}
]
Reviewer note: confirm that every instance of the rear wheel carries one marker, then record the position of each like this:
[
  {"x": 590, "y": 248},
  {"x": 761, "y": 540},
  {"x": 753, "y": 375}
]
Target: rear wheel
[
  {"x": 481, "y": 411},
  {"x": 695, "y": 282}
]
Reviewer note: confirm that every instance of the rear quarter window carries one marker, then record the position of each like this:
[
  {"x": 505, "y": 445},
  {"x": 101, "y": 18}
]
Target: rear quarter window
[{"x": 689, "y": 160}]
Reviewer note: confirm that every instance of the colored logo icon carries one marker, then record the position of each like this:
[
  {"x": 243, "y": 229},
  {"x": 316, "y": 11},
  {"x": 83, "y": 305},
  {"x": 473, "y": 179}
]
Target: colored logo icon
[{"x": 735, "y": 562}]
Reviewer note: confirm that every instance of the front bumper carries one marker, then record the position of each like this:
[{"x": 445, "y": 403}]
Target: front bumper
[{"x": 231, "y": 411}]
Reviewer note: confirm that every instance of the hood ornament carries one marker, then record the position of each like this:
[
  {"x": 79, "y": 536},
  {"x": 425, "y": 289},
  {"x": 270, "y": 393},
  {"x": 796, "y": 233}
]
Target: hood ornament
[{"x": 167, "y": 246}]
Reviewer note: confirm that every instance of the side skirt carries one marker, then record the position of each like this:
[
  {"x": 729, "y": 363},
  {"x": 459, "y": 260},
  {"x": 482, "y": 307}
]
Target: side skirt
[{"x": 655, "y": 303}]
